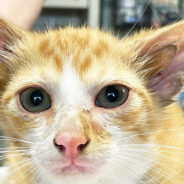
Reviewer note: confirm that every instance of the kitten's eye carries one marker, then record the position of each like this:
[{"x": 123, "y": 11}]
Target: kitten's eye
[
  {"x": 35, "y": 100},
  {"x": 112, "y": 96}
]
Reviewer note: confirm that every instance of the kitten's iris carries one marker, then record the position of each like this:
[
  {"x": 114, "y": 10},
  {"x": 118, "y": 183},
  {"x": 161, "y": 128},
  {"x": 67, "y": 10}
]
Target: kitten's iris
[
  {"x": 35, "y": 100},
  {"x": 112, "y": 96}
]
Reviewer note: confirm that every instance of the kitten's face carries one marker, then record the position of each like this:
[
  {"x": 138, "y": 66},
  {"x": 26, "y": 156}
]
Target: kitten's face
[
  {"x": 78, "y": 98},
  {"x": 78, "y": 69}
]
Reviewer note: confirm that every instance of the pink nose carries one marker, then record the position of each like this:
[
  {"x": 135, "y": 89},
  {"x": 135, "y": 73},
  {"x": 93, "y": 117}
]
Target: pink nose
[{"x": 70, "y": 146}]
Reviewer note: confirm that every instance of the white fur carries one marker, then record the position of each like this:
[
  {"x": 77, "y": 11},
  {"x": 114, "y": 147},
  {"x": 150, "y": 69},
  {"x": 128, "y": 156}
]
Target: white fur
[
  {"x": 3, "y": 174},
  {"x": 71, "y": 88}
]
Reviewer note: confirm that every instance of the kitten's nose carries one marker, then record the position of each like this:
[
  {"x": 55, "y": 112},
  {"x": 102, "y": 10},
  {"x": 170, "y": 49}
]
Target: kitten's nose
[{"x": 70, "y": 146}]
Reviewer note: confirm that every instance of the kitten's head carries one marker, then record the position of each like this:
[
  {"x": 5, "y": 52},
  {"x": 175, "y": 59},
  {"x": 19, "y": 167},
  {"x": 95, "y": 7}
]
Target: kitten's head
[{"x": 83, "y": 101}]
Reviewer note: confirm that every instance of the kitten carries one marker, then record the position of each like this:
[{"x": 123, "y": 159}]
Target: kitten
[{"x": 80, "y": 106}]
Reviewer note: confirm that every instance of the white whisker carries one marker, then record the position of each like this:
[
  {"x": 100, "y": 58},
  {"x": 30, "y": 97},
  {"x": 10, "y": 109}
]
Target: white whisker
[
  {"x": 152, "y": 132},
  {"x": 14, "y": 139}
]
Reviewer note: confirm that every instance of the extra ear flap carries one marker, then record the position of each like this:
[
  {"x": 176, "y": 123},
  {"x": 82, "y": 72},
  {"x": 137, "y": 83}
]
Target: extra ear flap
[{"x": 164, "y": 51}]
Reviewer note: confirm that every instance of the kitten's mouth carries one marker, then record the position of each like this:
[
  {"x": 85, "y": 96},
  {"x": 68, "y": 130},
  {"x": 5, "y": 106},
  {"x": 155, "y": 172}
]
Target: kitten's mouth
[{"x": 74, "y": 168}]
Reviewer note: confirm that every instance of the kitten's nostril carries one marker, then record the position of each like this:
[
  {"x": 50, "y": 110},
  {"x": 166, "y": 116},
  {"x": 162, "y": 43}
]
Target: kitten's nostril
[
  {"x": 81, "y": 147},
  {"x": 60, "y": 147}
]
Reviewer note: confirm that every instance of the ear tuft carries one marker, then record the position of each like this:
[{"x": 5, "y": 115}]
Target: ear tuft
[{"x": 9, "y": 35}]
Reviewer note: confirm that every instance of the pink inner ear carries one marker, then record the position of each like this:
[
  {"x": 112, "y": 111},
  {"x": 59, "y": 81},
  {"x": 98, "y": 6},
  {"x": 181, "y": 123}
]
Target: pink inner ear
[{"x": 167, "y": 82}]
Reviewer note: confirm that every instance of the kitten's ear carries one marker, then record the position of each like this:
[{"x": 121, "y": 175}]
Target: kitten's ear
[
  {"x": 164, "y": 56},
  {"x": 9, "y": 36}
]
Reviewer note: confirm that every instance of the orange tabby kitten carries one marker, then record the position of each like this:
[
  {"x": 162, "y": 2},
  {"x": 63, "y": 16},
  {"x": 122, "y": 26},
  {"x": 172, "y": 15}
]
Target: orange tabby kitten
[{"x": 80, "y": 106}]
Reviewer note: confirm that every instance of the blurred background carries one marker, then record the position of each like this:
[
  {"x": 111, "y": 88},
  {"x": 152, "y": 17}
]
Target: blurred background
[
  {"x": 118, "y": 16},
  {"x": 115, "y": 15}
]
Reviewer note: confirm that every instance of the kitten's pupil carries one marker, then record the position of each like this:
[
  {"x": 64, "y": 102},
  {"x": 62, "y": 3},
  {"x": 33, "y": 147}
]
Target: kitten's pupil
[
  {"x": 112, "y": 94},
  {"x": 36, "y": 98}
]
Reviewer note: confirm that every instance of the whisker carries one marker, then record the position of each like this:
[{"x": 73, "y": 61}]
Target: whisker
[
  {"x": 14, "y": 139},
  {"x": 37, "y": 174},
  {"x": 13, "y": 151},
  {"x": 27, "y": 163},
  {"x": 27, "y": 172},
  {"x": 154, "y": 160},
  {"x": 152, "y": 151},
  {"x": 157, "y": 170},
  {"x": 132, "y": 167},
  {"x": 149, "y": 145},
  {"x": 18, "y": 163},
  {"x": 13, "y": 148},
  {"x": 13, "y": 155},
  {"x": 178, "y": 161},
  {"x": 153, "y": 132}
]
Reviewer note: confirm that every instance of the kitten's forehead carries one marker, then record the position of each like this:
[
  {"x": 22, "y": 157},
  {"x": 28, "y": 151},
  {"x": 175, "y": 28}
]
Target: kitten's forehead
[{"x": 71, "y": 87}]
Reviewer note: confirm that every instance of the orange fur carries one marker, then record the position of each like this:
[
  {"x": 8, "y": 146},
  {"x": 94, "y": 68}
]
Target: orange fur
[{"x": 99, "y": 59}]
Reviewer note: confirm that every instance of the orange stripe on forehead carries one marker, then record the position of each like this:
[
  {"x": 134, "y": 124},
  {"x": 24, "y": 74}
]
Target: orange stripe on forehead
[
  {"x": 58, "y": 63},
  {"x": 45, "y": 49},
  {"x": 100, "y": 48},
  {"x": 82, "y": 64}
]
